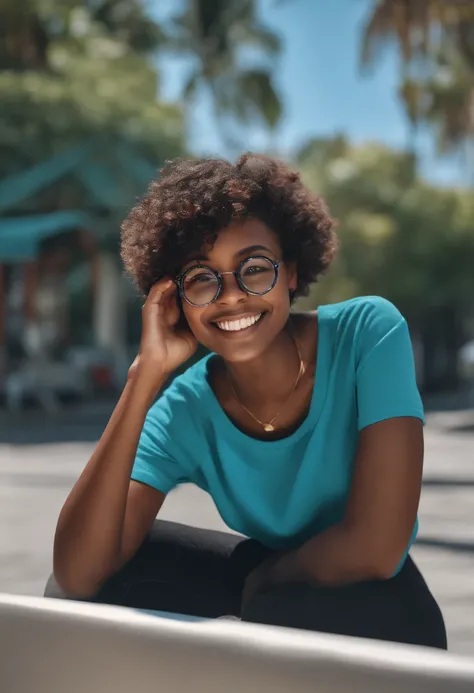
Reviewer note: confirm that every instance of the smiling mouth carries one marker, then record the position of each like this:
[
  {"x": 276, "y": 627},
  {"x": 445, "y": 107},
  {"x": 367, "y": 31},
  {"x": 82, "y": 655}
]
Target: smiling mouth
[{"x": 239, "y": 324}]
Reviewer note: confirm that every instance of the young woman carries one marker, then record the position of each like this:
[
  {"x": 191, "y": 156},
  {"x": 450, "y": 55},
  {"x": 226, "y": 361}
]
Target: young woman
[{"x": 305, "y": 429}]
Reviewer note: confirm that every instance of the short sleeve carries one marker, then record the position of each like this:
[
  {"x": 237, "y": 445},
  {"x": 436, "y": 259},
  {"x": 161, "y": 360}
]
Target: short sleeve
[
  {"x": 385, "y": 377},
  {"x": 155, "y": 463}
]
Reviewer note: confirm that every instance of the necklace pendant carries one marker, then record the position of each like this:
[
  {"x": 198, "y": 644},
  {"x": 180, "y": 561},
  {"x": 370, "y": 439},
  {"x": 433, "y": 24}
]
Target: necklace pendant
[{"x": 268, "y": 427}]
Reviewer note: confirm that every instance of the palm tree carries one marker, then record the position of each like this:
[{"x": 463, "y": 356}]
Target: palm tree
[
  {"x": 451, "y": 101},
  {"x": 436, "y": 41},
  {"x": 218, "y": 36},
  {"x": 414, "y": 22},
  {"x": 29, "y": 27}
]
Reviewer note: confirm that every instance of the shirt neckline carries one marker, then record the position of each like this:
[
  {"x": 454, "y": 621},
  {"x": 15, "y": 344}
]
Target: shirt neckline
[{"x": 229, "y": 429}]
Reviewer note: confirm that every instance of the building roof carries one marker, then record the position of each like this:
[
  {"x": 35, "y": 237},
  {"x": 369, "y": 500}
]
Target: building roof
[
  {"x": 113, "y": 177},
  {"x": 21, "y": 237}
]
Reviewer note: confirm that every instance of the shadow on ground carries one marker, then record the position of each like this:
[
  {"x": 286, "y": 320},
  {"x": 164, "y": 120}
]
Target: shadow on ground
[
  {"x": 439, "y": 482},
  {"x": 60, "y": 434},
  {"x": 465, "y": 428},
  {"x": 447, "y": 544},
  {"x": 83, "y": 423}
]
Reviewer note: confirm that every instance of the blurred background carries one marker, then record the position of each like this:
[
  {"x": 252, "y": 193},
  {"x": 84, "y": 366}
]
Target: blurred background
[{"x": 372, "y": 100}]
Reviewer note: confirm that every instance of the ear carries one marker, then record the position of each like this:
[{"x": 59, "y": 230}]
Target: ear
[{"x": 292, "y": 276}]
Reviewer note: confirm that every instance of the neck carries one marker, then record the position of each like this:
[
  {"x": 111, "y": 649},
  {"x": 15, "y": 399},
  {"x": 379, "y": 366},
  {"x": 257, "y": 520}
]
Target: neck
[{"x": 264, "y": 378}]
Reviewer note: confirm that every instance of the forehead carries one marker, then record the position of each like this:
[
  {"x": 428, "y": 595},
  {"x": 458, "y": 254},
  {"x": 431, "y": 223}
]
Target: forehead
[
  {"x": 236, "y": 242},
  {"x": 240, "y": 235}
]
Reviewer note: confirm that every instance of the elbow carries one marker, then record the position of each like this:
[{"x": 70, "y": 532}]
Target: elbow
[
  {"x": 76, "y": 584},
  {"x": 379, "y": 552},
  {"x": 73, "y": 587},
  {"x": 383, "y": 571},
  {"x": 383, "y": 564},
  {"x": 80, "y": 577}
]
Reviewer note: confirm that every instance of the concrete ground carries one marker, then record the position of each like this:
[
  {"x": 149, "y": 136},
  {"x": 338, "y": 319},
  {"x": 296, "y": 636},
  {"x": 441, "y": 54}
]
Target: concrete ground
[{"x": 37, "y": 473}]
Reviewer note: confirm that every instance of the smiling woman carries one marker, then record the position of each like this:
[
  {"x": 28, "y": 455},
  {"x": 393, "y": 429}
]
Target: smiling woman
[
  {"x": 305, "y": 428},
  {"x": 228, "y": 299},
  {"x": 185, "y": 210}
]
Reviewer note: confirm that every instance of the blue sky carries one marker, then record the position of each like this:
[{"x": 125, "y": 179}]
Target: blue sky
[{"x": 321, "y": 83}]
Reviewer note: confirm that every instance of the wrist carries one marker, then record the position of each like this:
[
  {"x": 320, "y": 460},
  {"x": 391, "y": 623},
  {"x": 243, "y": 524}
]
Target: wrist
[
  {"x": 146, "y": 386},
  {"x": 287, "y": 568}
]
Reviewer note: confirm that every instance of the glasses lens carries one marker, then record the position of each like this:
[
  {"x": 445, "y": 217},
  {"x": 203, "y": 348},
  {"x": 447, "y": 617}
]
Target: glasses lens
[
  {"x": 200, "y": 286},
  {"x": 258, "y": 275}
]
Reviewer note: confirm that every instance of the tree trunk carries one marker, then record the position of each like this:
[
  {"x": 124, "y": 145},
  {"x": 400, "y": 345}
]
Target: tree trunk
[{"x": 442, "y": 339}]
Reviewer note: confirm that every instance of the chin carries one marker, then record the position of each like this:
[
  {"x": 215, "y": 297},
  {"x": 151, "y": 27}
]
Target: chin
[
  {"x": 241, "y": 348},
  {"x": 242, "y": 355}
]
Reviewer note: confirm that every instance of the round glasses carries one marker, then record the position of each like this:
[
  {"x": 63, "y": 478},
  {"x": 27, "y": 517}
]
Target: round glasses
[{"x": 200, "y": 285}]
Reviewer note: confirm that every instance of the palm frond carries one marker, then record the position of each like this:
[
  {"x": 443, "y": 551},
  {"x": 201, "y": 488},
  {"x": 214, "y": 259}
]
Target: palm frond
[
  {"x": 191, "y": 86},
  {"x": 215, "y": 34},
  {"x": 259, "y": 96},
  {"x": 410, "y": 23},
  {"x": 258, "y": 37},
  {"x": 412, "y": 94}
]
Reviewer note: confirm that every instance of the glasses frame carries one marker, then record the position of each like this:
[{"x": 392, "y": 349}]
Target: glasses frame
[{"x": 220, "y": 284}]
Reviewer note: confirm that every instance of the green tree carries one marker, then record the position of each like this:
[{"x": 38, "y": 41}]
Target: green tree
[
  {"x": 218, "y": 37},
  {"x": 115, "y": 98},
  {"x": 94, "y": 80},
  {"x": 29, "y": 28},
  {"x": 418, "y": 26},
  {"x": 230, "y": 50},
  {"x": 436, "y": 41},
  {"x": 400, "y": 238},
  {"x": 80, "y": 68}
]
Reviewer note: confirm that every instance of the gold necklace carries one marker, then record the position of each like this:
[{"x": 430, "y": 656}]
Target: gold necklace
[{"x": 269, "y": 427}]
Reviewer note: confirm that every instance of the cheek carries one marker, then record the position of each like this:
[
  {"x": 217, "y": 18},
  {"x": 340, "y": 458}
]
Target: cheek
[
  {"x": 288, "y": 278},
  {"x": 281, "y": 293},
  {"x": 192, "y": 317}
]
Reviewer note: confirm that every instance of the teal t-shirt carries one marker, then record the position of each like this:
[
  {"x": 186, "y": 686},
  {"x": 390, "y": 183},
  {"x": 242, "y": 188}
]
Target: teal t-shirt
[{"x": 283, "y": 492}]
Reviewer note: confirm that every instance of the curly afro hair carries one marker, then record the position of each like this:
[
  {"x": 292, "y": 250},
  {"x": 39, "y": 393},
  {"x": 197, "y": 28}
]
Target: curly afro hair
[{"x": 192, "y": 200}]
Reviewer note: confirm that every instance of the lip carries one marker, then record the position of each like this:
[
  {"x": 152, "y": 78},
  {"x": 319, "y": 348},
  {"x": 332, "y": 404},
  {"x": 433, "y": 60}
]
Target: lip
[
  {"x": 236, "y": 316},
  {"x": 238, "y": 334}
]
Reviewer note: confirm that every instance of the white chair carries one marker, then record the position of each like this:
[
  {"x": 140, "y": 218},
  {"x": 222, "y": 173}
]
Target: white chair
[{"x": 49, "y": 646}]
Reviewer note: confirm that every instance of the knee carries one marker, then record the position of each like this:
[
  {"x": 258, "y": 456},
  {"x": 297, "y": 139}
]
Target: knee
[{"x": 54, "y": 591}]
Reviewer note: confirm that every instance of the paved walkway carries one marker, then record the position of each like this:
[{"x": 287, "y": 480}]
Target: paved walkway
[{"x": 35, "y": 479}]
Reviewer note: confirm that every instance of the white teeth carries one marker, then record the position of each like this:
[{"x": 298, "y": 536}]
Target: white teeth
[{"x": 236, "y": 325}]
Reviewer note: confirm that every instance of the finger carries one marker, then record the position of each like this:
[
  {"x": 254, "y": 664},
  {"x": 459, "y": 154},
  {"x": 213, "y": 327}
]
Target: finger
[
  {"x": 169, "y": 308},
  {"x": 160, "y": 289}
]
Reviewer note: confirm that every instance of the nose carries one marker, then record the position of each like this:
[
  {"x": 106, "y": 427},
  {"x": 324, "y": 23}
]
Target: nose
[{"x": 231, "y": 293}]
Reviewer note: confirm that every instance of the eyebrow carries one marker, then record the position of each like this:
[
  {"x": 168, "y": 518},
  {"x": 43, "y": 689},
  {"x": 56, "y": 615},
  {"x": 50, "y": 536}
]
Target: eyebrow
[
  {"x": 244, "y": 251},
  {"x": 252, "y": 249}
]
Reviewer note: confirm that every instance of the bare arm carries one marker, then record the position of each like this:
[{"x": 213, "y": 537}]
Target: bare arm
[
  {"x": 105, "y": 517},
  {"x": 381, "y": 512}
]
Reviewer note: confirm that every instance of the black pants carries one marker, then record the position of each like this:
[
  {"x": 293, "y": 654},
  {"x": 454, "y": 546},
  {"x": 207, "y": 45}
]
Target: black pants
[{"x": 200, "y": 572}]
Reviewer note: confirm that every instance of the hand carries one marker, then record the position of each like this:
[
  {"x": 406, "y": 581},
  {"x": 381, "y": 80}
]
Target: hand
[
  {"x": 260, "y": 577},
  {"x": 165, "y": 344}
]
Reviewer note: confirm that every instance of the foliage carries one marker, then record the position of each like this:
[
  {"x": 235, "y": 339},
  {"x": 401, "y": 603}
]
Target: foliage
[
  {"x": 30, "y": 27},
  {"x": 85, "y": 68},
  {"x": 218, "y": 38},
  {"x": 400, "y": 237},
  {"x": 94, "y": 81},
  {"x": 436, "y": 40},
  {"x": 418, "y": 25},
  {"x": 67, "y": 111}
]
